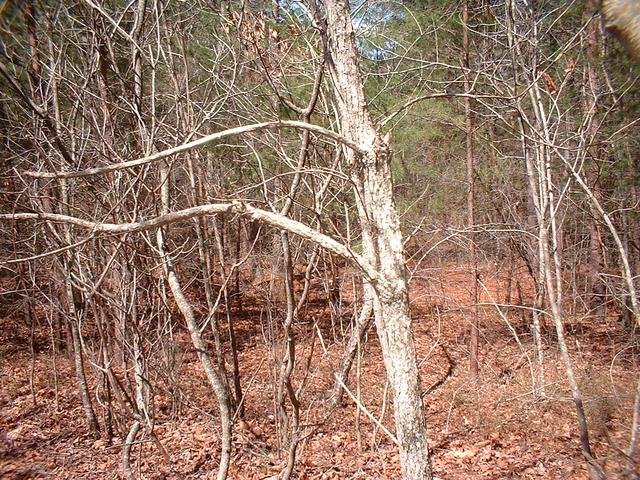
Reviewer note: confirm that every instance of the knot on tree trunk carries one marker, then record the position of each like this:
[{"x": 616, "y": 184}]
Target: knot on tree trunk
[{"x": 238, "y": 207}]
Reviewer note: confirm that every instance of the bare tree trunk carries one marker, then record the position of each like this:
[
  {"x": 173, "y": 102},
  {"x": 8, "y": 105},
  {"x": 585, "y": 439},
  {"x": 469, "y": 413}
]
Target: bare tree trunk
[
  {"x": 126, "y": 451},
  {"x": 212, "y": 305},
  {"x": 289, "y": 425},
  {"x": 81, "y": 378},
  {"x": 372, "y": 175},
  {"x": 217, "y": 384},
  {"x": 357, "y": 334},
  {"x": 471, "y": 174},
  {"x": 595, "y": 471},
  {"x": 202, "y": 234},
  {"x": 106, "y": 402},
  {"x": 69, "y": 264},
  {"x": 591, "y": 107},
  {"x": 551, "y": 268},
  {"x": 52, "y": 319},
  {"x": 236, "y": 400},
  {"x": 30, "y": 320}
]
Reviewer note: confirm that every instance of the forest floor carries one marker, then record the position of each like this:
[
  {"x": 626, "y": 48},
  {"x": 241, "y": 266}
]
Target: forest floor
[{"x": 493, "y": 429}]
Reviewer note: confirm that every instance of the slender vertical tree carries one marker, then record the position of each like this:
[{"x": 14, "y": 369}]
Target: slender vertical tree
[
  {"x": 471, "y": 174},
  {"x": 371, "y": 175}
]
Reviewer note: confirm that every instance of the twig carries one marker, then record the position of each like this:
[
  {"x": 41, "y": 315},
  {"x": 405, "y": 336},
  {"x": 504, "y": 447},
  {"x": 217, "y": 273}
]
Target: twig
[{"x": 367, "y": 412}]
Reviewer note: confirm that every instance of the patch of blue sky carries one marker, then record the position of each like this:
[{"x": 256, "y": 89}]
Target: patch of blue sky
[{"x": 370, "y": 21}]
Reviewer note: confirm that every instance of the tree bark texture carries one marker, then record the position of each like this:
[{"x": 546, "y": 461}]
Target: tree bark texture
[{"x": 371, "y": 173}]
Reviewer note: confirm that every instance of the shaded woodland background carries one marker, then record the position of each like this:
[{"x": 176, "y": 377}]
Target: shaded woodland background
[{"x": 514, "y": 127}]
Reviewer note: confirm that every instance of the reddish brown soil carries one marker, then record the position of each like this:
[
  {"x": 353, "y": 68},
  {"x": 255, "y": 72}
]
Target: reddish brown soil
[{"x": 495, "y": 430}]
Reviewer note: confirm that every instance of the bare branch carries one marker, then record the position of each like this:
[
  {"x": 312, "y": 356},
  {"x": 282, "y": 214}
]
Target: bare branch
[
  {"x": 273, "y": 219},
  {"x": 199, "y": 143}
]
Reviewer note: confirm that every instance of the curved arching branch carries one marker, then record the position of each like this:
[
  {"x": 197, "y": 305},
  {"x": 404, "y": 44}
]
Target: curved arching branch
[
  {"x": 201, "y": 142},
  {"x": 270, "y": 218}
]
